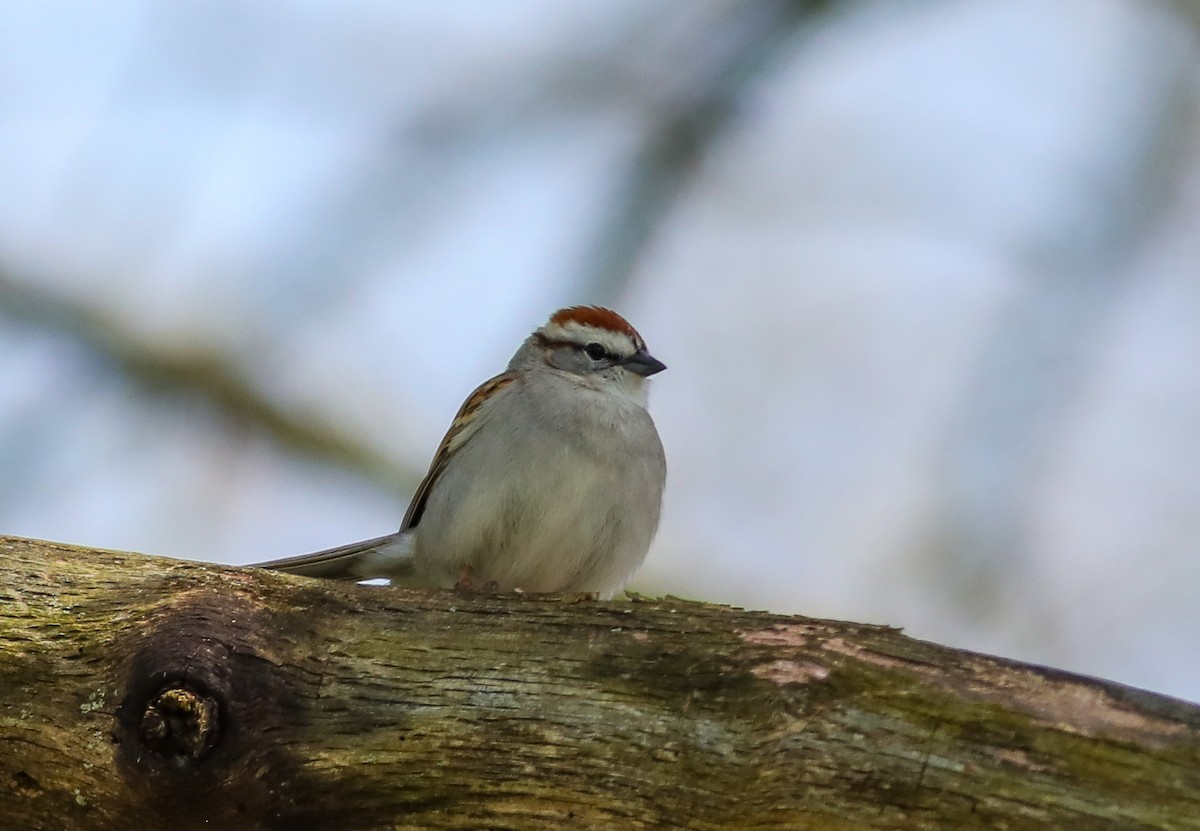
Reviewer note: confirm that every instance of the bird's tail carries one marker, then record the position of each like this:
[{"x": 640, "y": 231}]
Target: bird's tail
[{"x": 389, "y": 556}]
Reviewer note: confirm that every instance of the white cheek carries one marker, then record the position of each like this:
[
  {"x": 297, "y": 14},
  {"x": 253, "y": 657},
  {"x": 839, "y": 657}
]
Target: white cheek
[{"x": 632, "y": 386}]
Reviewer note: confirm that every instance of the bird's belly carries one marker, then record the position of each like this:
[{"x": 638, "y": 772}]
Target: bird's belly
[{"x": 556, "y": 525}]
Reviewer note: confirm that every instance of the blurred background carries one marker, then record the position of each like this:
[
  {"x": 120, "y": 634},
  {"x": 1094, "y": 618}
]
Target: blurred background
[{"x": 925, "y": 273}]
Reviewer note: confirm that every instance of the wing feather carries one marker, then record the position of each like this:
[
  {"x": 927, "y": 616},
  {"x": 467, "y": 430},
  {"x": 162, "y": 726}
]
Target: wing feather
[{"x": 465, "y": 424}]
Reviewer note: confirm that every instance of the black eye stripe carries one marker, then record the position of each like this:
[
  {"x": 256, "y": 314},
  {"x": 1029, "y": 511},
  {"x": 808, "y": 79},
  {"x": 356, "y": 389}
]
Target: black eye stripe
[{"x": 559, "y": 342}]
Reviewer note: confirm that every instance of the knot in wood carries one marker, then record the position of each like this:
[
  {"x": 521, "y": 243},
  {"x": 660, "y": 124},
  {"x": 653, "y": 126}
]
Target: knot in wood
[{"x": 181, "y": 724}]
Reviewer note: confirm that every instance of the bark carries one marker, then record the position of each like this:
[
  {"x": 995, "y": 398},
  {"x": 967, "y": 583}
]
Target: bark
[{"x": 146, "y": 693}]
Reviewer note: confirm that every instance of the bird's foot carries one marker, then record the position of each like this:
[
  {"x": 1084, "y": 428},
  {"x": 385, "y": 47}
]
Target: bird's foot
[{"x": 468, "y": 584}]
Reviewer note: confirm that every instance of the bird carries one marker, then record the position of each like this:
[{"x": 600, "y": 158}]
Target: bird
[{"x": 549, "y": 479}]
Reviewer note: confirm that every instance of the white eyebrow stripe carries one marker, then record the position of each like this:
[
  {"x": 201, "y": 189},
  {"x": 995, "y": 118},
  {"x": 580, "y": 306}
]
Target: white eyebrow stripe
[{"x": 618, "y": 343}]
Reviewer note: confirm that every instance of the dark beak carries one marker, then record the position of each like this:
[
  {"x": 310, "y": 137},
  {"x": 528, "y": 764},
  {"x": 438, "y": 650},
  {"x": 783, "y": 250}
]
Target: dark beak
[{"x": 644, "y": 364}]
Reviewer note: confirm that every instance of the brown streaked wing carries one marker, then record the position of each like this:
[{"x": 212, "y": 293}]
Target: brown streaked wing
[{"x": 461, "y": 430}]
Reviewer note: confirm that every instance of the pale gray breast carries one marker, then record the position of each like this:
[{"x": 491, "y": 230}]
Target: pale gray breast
[{"x": 571, "y": 505}]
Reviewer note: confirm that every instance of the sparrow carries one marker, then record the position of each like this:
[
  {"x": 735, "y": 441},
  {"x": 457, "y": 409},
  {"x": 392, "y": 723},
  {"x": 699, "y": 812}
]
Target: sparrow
[{"x": 550, "y": 478}]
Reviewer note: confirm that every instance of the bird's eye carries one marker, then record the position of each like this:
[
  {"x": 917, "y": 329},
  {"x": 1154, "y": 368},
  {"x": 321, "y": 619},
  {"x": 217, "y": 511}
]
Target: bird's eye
[{"x": 595, "y": 351}]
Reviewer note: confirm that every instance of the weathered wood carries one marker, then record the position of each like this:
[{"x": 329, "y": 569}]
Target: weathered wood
[{"x": 147, "y": 693}]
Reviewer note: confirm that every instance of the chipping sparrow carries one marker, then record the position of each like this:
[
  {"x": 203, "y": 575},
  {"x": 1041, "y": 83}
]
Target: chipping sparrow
[{"x": 549, "y": 479}]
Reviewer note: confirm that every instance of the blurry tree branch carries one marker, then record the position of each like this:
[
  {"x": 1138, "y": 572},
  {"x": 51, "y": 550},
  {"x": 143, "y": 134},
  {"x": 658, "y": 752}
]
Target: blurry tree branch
[
  {"x": 731, "y": 55},
  {"x": 396, "y": 186},
  {"x": 144, "y": 693},
  {"x": 725, "y": 55},
  {"x": 199, "y": 373},
  {"x": 1190, "y": 9}
]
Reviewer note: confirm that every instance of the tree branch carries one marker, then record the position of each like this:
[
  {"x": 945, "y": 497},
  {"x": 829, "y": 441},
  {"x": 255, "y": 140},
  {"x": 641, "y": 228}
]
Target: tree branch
[
  {"x": 205, "y": 374},
  {"x": 140, "y": 693},
  {"x": 733, "y": 54}
]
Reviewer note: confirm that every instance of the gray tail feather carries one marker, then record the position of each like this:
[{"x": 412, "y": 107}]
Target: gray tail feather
[{"x": 387, "y": 556}]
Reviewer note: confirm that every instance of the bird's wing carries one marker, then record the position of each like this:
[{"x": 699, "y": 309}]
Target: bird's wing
[{"x": 466, "y": 423}]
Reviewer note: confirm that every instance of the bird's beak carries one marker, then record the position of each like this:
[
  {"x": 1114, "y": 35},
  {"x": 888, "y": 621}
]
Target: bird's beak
[{"x": 643, "y": 363}]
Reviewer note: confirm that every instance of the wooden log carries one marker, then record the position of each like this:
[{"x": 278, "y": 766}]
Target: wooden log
[{"x": 146, "y": 693}]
